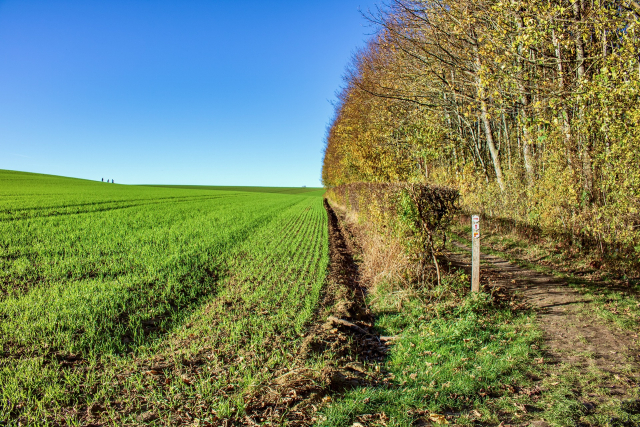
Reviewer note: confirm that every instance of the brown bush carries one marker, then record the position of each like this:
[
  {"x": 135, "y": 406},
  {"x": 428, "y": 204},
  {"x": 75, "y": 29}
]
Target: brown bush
[{"x": 416, "y": 215}]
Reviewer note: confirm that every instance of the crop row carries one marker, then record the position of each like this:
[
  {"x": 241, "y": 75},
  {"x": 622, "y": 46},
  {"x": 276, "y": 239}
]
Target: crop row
[{"x": 169, "y": 274}]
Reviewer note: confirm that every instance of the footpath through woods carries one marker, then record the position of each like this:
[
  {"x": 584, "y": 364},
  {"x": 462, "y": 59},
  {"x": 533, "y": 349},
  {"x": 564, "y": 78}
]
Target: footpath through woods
[{"x": 602, "y": 360}]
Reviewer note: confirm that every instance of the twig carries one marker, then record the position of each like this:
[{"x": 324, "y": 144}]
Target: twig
[{"x": 351, "y": 325}]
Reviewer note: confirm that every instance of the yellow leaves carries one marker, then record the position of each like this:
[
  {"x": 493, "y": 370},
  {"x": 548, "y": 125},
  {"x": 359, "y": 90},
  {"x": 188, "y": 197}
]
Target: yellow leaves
[
  {"x": 438, "y": 419},
  {"x": 380, "y": 135}
]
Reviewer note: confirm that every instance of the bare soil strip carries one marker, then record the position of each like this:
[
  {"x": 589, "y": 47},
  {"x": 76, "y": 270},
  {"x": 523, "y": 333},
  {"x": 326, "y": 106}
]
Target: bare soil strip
[
  {"x": 343, "y": 327},
  {"x": 571, "y": 336},
  {"x": 344, "y": 324}
]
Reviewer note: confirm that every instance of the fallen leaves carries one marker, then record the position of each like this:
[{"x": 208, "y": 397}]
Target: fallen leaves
[{"x": 438, "y": 419}]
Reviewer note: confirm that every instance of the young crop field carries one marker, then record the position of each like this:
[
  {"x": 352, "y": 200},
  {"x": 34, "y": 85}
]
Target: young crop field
[
  {"x": 137, "y": 304},
  {"x": 283, "y": 190}
]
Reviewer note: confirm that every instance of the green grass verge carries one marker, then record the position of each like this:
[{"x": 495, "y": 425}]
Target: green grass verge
[
  {"x": 455, "y": 353},
  {"x": 570, "y": 395}
]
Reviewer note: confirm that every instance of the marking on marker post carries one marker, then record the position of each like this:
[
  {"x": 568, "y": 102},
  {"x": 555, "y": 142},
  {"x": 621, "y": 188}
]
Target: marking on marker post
[{"x": 475, "y": 254}]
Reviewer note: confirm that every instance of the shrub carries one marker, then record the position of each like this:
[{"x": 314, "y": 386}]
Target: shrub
[{"x": 417, "y": 214}]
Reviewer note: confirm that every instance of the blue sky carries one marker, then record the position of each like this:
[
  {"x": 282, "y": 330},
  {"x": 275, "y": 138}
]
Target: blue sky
[{"x": 173, "y": 92}]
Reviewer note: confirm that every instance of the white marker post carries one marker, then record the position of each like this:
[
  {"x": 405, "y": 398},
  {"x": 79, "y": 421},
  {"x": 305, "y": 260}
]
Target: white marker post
[{"x": 475, "y": 253}]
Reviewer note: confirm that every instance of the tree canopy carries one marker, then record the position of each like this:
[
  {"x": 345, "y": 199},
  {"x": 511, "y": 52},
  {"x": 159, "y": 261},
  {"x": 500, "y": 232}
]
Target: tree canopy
[{"x": 530, "y": 108}]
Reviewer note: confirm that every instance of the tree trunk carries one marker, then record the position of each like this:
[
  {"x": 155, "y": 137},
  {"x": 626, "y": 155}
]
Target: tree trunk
[
  {"x": 495, "y": 157},
  {"x": 566, "y": 124},
  {"x": 587, "y": 171},
  {"x": 525, "y": 98},
  {"x": 484, "y": 116}
]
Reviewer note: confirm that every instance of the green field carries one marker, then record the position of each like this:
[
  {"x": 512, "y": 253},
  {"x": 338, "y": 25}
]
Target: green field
[
  {"x": 124, "y": 302},
  {"x": 307, "y": 191}
]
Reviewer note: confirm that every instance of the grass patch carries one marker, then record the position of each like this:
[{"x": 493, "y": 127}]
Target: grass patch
[
  {"x": 582, "y": 394},
  {"x": 455, "y": 352}
]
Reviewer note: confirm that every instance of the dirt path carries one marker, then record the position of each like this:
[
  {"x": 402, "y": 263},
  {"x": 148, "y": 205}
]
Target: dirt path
[{"x": 572, "y": 337}]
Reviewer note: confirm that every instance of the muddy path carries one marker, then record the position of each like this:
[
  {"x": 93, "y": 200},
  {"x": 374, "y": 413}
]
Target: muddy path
[{"x": 574, "y": 337}]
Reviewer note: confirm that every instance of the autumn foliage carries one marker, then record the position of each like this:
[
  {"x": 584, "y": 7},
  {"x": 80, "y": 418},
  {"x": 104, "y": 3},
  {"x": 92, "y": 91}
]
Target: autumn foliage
[
  {"x": 529, "y": 108},
  {"x": 412, "y": 216}
]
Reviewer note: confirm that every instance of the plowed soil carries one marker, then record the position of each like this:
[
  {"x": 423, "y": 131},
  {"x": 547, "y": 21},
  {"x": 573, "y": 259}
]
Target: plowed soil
[{"x": 343, "y": 327}]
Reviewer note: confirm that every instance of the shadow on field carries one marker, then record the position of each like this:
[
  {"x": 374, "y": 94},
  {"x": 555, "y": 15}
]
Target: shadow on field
[{"x": 136, "y": 331}]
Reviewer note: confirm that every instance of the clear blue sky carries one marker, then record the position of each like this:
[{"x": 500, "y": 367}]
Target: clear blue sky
[{"x": 173, "y": 92}]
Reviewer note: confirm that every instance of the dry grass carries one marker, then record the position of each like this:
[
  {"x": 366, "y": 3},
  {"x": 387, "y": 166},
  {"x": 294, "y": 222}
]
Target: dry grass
[{"x": 382, "y": 257}]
